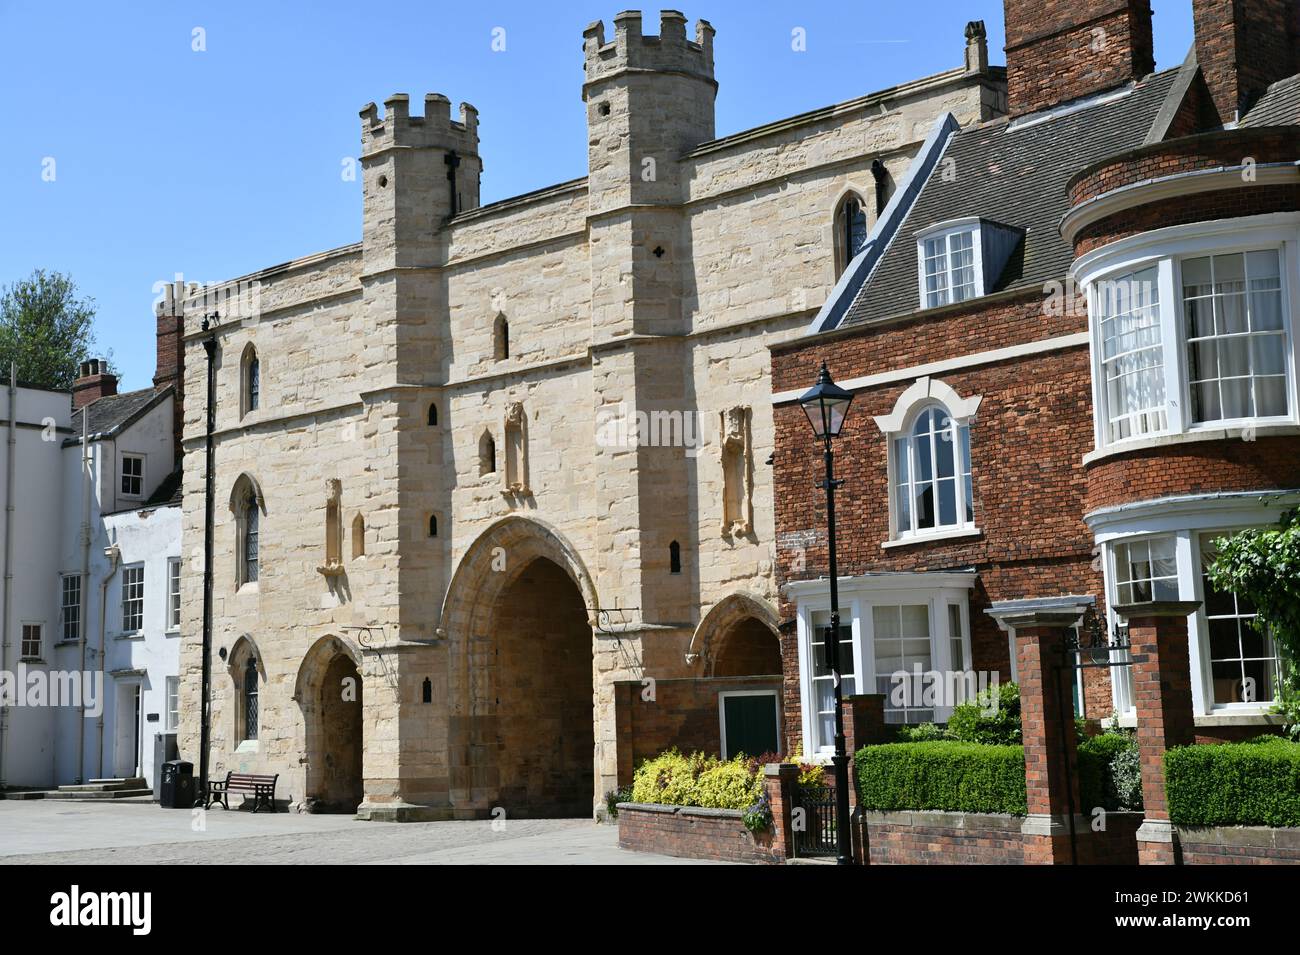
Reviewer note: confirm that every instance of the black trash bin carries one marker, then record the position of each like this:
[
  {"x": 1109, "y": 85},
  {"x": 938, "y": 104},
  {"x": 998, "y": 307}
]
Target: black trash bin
[{"x": 177, "y": 789}]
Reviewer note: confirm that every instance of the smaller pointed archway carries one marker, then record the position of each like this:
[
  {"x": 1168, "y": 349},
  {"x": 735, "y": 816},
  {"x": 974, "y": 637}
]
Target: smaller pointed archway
[{"x": 329, "y": 691}]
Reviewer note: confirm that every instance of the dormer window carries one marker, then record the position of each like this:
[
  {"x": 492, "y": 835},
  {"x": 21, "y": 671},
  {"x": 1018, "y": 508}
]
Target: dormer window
[
  {"x": 948, "y": 272},
  {"x": 962, "y": 259}
]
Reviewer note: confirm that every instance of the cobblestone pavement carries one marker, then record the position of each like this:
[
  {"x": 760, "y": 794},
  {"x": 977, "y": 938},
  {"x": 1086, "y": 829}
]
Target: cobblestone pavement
[{"x": 66, "y": 833}]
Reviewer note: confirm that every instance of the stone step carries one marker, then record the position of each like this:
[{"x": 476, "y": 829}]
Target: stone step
[
  {"x": 83, "y": 794},
  {"x": 131, "y": 782},
  {"x": 24, "y": 794},
  {"x": 104, "y": 785}
]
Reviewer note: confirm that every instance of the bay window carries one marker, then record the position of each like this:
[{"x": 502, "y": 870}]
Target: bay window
[
  {"x": 904, "y": 635},
  {"x": 1192, "y": 330}
]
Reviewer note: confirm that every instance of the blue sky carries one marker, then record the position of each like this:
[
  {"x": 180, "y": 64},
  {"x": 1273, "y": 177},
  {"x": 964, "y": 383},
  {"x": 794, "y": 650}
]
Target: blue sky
[{"x": 220, "y": 162}]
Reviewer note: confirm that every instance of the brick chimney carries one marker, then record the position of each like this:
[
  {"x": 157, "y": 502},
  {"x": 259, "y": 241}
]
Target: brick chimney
[
  {"x": 1242, "y": 46},
  {"x": 94, "y": 381},
  {"x": 170, "y": 366},
  {"x": 1061, "y": 50}
]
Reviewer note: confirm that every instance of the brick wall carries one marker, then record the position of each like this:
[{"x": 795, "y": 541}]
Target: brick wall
[
  {"x": 692, "y": 833},
  {"x": 683, "y": 713},
  {"x": 1238, "y": 845},
  {"x": 942, "y": 838},
  {"x": 1195, "y": 468},
  {"x": 1027, "y": 442},
  {"x": 1060, "y": 50},
  {"x": 1231, "y": 203}
]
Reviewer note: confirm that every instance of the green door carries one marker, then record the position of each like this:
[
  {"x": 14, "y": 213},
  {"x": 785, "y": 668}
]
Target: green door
[{"x": 749, "y": 724}]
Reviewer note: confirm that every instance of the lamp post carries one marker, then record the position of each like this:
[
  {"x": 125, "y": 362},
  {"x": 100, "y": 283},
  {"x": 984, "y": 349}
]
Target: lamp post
[
  {"x": 827, "y": 404},
  {"x": 209, "y": 424}
]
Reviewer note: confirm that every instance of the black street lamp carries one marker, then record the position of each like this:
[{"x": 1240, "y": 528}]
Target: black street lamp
[{"x": 827, "y": 404}]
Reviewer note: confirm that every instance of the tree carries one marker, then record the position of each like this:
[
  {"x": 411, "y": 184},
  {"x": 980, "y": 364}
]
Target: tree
[
  {"x": 46, "y": 329},
  {"x": 1262, "y": 566}
]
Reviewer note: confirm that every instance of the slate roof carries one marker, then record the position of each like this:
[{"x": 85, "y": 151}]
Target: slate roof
[
  {"x": 1016, "y": 174},
  {"x": 168, "y": 492},
  {"x": 112, "y": 413},
  {"x": 1279, "y": 106}
]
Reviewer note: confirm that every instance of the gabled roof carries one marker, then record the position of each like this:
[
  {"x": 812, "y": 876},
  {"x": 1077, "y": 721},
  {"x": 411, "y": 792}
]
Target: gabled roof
[
  {"x": 1279, "y": 106},
  {"x": 1014, "y": 173},
  {"x": 107, "y": 416}
]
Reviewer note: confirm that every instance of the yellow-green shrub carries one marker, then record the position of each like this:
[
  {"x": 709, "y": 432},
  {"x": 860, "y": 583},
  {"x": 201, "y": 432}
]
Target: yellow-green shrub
[{"x": 697, "y": 780}]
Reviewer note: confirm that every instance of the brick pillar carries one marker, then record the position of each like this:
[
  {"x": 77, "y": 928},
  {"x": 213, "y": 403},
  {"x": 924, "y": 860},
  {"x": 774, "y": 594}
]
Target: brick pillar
[
  {"x": 864, "y": 721},
  {"x": 1051, "y": 753},
  {"x": 780, "y": 779},
  {"x": 1162, "y": 692}
]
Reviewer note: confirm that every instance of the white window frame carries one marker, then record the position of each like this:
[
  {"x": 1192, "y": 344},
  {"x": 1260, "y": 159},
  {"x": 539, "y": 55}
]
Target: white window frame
[
  {"x": 722, "y": 718},
  {"x": 858, "y": 595},
  {"x": 945, "y": 231},
  {"x": 121, "y": 474},
  {"x": 171, "y": 693},
  {"x": 1167, "y": 249},
  {"x": 39, "y": 656},
  {"x": 132, "y": 569},
  {"x": 173, "y": 595},
  {"x": 64, "y": 607},
  {"x": 921, "y": 394}
]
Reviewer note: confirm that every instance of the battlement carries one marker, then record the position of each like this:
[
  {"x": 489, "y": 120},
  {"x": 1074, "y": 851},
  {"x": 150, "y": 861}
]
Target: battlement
[
  {"x": 436, "y": 128},
  {"x": 670, "y": 51}
]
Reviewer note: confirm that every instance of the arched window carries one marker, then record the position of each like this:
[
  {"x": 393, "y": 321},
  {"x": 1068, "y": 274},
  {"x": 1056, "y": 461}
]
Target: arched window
[
  {"x": 487, "y": 454},
  {"x": 932, "y": 474},
  {"x": 250, "y": 551},
  {"x": 850, "y": 230},
  {"x": 500, "y": 338},
  {"x": 433, "y": 525},
  {"x": 250, "y": 710},
  {"x": 433, "y": 416},
  {"x": 674, "y": 558},
  {"x": 250, "y": 387},
  {"x": 247, "y": 506},
  {"x": 358, "y": 537}
]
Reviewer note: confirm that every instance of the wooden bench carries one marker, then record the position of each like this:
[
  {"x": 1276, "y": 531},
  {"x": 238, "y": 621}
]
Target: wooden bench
[{"x": 260, "y": 786}]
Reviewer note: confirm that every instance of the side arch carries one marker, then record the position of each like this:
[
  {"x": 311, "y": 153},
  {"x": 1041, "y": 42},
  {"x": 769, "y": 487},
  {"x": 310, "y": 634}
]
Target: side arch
[{"x": 726, "y": 614}]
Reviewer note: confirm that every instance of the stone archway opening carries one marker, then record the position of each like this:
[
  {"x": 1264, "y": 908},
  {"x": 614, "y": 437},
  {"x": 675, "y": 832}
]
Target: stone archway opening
[
  {"x": 331, "y": 697},
  {"x": 543, "y": 695},
  {"x": 747, "y": 648}
]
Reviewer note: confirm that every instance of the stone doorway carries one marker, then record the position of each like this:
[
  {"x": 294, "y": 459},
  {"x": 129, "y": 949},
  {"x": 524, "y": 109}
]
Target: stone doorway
[
  {"x": 543, "y": 695},
  {"x": 330, "y": 692}
]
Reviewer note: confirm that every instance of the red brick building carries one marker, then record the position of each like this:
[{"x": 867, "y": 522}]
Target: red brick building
[{"x": 1072, "y": 341}]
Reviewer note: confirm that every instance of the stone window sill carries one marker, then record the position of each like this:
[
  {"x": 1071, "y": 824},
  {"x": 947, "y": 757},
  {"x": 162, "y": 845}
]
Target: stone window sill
[
  {"x": 955, "y": 534},
  {"x": 1189, "y": 437}
]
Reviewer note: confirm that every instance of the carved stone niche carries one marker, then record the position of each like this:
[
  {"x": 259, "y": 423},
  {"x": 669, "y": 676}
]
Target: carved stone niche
[
  {"x": 737, "y": 472},
  {"x": 333, "y": 565},
  {"x": 516, "y": 449}
]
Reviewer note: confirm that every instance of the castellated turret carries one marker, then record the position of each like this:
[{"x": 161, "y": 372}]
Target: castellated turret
[
  {"x": 649, "y": 100},
  {"x": 418, "y": 172}
]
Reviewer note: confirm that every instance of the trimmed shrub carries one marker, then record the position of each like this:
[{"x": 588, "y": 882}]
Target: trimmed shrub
[
  {"x": 698, "y": 780},
  {"x": 993, "y": 717},
  {"x": 955, "y": 776},
  {"x": 1234, "y": 784}
]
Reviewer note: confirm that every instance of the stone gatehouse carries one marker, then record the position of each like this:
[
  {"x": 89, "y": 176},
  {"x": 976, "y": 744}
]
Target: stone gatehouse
[{"x": 490, "y": 461}]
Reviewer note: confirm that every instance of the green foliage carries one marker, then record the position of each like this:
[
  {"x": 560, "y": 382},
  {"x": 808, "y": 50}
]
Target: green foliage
[
  {"x": 45, "y": 329},
  {"x": 698, "y": 780},
  {"x": 922, "y": 733},
  {"x": 1110, "y": 773},
  {"x": 614, "y": 797},
  {"x": 993, "y": 717},
  {"x": 1262, "y": 567},
  {"x": 1234, "y": 784},
  {"x": 956, "y": 776}
]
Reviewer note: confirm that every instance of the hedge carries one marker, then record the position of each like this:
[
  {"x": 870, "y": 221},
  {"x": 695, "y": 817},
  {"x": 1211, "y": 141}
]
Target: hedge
[
  {"x": 959, "y": 777},
  {"x": 1234, "y": 784}
]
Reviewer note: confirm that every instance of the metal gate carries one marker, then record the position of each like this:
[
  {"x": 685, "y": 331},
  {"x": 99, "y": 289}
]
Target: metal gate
[
  {"x": 815, "y": 833},
  {"x": 1086, "y": 646}
]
